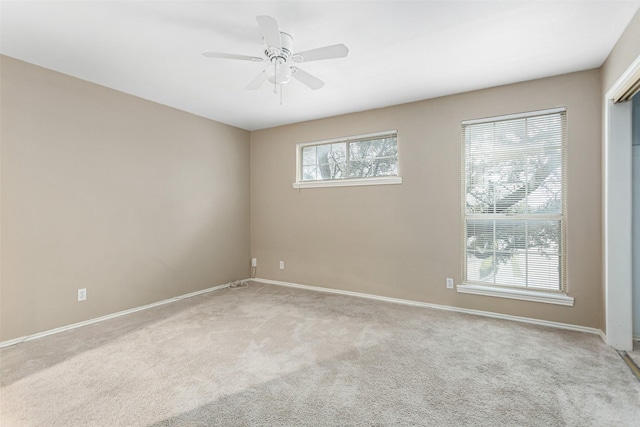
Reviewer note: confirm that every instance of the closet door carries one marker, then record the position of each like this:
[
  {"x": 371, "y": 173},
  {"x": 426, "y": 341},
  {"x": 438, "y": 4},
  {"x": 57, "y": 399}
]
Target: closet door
[
  {"x": 636, "y": 215},
  {"x": 636, "y": 241}
]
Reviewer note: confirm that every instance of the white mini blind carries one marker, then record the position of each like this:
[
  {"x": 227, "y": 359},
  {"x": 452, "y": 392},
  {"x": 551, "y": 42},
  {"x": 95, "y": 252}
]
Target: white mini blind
[{"x": 513, "y": 204}]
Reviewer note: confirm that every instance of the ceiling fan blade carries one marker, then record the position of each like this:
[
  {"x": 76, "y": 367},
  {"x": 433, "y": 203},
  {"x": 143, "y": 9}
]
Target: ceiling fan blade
[
  {"x": 327, "y": 52},
  {"x": 257, "y": 82},
  {"x": 232, "y": 56},
  {"x": 306, "y": 78},
  {"x": 270, "y": 31}
]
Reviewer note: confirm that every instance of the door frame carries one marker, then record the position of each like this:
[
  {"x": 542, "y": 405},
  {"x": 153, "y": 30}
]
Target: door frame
[{"x": 617, "y": 210}]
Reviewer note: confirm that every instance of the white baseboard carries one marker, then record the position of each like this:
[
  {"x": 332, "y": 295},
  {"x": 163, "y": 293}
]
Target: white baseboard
[
  {"x": 108, "y": 316},
  {"x": 603, "y": 336},
  {"x": 558, "y": 325}
]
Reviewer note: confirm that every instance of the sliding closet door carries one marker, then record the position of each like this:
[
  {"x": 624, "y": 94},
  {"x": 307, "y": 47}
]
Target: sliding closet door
[{"x": 636, "y": 216}]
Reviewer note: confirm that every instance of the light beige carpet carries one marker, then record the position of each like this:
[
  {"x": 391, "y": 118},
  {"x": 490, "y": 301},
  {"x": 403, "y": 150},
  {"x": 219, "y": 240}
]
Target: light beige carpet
[{"x": 268, "y": 355}]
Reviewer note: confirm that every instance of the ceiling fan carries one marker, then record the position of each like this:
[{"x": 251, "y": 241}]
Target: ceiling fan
[{"x": 278, "y": 52}]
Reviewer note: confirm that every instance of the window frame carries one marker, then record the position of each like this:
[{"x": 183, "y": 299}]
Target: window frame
[
  {"x": 552, "y": 296},
  {"x": 346, "y": 182}
]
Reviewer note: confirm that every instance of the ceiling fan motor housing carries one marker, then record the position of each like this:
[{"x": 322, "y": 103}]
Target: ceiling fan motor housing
[
  {"x": 279, "y": 73},
  {"x": 274, "y": 53}
]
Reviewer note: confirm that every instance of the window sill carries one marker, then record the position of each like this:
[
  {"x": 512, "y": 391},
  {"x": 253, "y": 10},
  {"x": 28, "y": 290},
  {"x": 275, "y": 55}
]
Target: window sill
[
  {"x": 383, "y": 180},
  {"x": 521, "y": 294}
]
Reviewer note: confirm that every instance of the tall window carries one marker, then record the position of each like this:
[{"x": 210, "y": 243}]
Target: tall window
[
  {"x": 514, "y": 200},
  {"x": 366, "y": 156}
]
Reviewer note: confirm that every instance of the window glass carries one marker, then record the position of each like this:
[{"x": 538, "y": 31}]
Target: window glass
[{"x": 359, "y": 157}]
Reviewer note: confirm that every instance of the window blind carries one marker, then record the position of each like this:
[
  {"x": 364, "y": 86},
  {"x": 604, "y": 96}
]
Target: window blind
[{"x": 513, "y": 206}]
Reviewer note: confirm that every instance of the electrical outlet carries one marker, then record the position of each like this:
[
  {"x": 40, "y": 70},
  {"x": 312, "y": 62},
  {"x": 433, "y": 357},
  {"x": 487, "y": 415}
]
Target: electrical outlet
[
  {"x": 449, "y": 283},
  {"x": 82, "y": 294},
  {"x": 281, "y": 265},
  {"x": 254, "y": 262}
]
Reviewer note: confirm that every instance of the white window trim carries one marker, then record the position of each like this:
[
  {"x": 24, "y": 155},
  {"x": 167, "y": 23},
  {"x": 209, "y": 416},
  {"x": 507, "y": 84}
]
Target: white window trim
[
  {"x": 380, "y": 180},
  {"x": 377, "y": 180},
  {"x": 515, "y": 293},
  {"x": 549, "y": 297}
]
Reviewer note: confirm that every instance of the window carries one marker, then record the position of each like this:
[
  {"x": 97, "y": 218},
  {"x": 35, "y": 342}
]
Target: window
[
  {"x": 360, "y": 160},
  {"x": 514, "y": 202}
]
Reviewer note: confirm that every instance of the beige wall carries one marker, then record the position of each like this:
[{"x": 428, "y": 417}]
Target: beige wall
[
  {"x": 626, "y": 50},
  {"x": 403, "y": 240},
  {"x": 135, "y": 201},
  {"x": 139, "y": 202}
]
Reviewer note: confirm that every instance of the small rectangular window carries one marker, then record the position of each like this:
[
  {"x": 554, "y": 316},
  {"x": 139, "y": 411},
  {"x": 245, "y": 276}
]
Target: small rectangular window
[{"x": 359, "y": 160}]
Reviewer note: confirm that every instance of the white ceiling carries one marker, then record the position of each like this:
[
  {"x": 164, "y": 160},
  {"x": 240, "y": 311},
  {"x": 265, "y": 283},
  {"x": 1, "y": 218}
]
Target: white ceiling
[{"x": 400, "y": 51}]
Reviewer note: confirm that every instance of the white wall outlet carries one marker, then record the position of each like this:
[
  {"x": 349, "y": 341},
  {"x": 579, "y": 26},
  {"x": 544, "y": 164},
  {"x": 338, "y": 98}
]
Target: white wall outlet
[
  {"x": 281, "y": 265},
  {"x": 449, "y": 283},
  {"x": 254, "y": 262},
  {"x": 82, "y": 294}
]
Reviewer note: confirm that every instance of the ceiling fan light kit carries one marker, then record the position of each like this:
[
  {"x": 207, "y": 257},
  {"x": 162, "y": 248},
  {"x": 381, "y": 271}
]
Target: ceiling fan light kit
[
  {"x": 278, "y": 52},
  {"x": 278, "y": 74}
]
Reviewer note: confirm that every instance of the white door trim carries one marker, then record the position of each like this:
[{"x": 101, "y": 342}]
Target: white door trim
[{"x": 617, "y": 178}]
